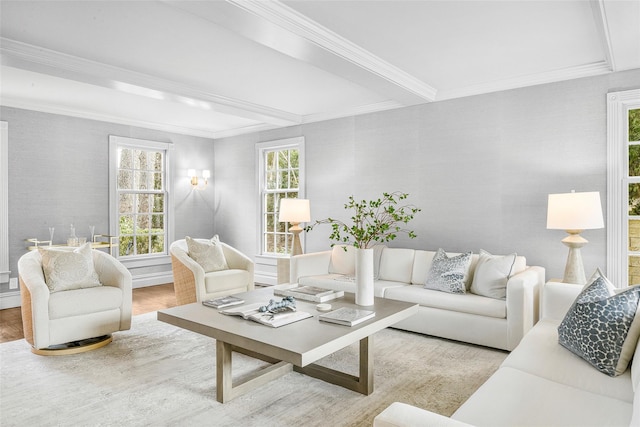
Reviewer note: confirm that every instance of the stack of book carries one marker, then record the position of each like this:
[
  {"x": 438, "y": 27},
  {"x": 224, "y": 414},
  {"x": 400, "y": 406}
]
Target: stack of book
[
  {"x": 221, "y": 302},
  {"x": 308, "y": 293},
  {"x": 347, "y": 316}
]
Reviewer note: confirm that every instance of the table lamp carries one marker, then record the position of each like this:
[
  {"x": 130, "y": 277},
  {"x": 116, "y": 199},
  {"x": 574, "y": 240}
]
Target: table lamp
[
  {"x": 574, "y": 212},
  {"x": 295, "y": 211}
]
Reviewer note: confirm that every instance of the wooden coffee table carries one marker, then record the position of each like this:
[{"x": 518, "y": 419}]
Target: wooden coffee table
[{"x": 291, "y": 347}]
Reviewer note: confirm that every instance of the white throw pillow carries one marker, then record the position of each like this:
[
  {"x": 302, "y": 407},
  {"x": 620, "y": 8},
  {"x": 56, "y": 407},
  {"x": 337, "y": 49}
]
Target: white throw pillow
[
  {"x": 492, "y": 274},
  {"x": 208, "y": 254},
  {"x": 65, "y": 270},
  {"x": 343, "y": 260}
]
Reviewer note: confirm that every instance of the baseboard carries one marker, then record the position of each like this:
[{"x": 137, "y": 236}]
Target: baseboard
[
  {"x": 10, "y": 300},
  {"x": 269, "y": 279},
  {"x": 152, "y": 279}
]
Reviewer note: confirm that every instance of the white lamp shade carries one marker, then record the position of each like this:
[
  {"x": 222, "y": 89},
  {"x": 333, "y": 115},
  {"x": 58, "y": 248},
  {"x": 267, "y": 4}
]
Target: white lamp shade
[
  {"x": 206, "y": 174},
  {"x": 574, "y": 211},
  {"x": 294, "y": 210}
]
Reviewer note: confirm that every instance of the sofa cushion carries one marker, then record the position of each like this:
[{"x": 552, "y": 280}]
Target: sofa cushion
[
  {"x": 466, "y": 303},
  {"x": 343, "y": 260},
  {"x": 223, "y": 280},
  {"x": 492, "y": 273},
  {"x": 601, "y": 326},
  {"x": 208, "y": 254},
  {"x": 449, "y": 274},
  {"x": 79, "y": 302},
  {"x": 396, "y": 264},
  {"x": 66, "y": 269},
  {"x": 511, "y": 397},
  {"x": 540, "y": 354}
]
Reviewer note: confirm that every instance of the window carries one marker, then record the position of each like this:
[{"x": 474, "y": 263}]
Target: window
[
  {"x": 281, "y": 176},
  {"x": 623, "y": 192},
  {"x": 140, "y": 197}
]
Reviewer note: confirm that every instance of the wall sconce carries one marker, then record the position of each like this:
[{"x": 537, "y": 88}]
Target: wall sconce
[{"x": 206, "y": 174}]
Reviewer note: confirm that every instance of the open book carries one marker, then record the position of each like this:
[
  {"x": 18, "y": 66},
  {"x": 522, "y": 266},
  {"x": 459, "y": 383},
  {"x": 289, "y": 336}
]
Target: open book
[{"x": 251, "y": 312}]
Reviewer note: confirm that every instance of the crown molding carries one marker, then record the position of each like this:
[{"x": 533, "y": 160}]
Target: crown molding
[
  {"x": 602, "y": 27},
  {"x": 38, "y": 59},
  {"x": 588, "y": 70},
  {"x": 298, "y": 24}
]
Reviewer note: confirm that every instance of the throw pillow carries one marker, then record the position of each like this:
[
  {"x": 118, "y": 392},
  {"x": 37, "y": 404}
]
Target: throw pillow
[
  {"x": 208, "y": 254},
  {"x": 448, "y": 274},
  {"x": 601, "y": 326},
  {"x": 65, "y": 270},
  {"x": 492, "y": 274}
]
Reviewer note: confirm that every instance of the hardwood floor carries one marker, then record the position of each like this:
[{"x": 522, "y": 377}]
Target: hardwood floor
[{"x": 150, "y": 298}]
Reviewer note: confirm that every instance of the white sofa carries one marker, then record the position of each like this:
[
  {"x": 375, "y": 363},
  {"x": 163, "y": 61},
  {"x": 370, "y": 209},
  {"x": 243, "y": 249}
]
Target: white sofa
[
  {"x": 400, "y": 274},
  {"x": 540, "y": 384}
]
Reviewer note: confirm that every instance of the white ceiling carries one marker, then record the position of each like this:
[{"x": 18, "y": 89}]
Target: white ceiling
[{"x": 218, "y": 68}]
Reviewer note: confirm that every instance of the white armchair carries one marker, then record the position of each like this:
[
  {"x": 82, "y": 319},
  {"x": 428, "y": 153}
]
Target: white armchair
[
  {"x": 55, "y": 322},
  {"x": 191, "y": 283}
]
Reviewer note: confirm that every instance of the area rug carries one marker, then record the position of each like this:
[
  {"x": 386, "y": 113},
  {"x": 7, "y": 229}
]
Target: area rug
[{"x": 159, "y": 375}]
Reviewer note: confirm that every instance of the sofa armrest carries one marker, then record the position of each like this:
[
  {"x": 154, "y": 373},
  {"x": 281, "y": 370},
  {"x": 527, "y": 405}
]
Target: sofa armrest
[
  {"x": 111, "y": 272},
  {"x": 238, "y": 260},
  {"x": 311, "y": 264},
  {"x": 557, "y": 297},
  {"x": 402, "y": 415},
  {"x": 523, "y": 302}
]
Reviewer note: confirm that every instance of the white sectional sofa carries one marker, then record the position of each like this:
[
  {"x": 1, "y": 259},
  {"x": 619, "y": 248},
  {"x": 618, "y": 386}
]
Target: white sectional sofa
[
  {"x": 540, "y": 384},
  {"x": 400, "y": 274}
]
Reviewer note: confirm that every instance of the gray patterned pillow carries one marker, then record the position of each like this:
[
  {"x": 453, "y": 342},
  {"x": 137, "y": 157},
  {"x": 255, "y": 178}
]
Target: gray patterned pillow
[
  {"x": 448, "y": 274},
  {"x": 601, "y": 326},
  {"x": 208, "y": 254}
]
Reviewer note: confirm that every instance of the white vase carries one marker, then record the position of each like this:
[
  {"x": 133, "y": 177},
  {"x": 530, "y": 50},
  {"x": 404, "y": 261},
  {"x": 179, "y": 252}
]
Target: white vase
[{"x": 364, "y": 277}]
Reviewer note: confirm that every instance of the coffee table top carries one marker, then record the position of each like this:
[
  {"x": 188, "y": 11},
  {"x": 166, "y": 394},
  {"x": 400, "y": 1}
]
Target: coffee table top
[{"x": 299, "y": 343}]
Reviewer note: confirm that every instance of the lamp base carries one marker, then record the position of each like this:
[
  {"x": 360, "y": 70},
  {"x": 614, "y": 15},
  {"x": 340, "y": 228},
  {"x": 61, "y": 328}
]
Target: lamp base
[
  {"x": 574, "y": 270},
  {"x": 297, "y": 247}
]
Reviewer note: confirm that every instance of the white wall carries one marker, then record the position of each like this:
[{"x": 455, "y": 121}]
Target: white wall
[
  {"x": 59, "y": 175},
  {"x": 480, "y": 168}
]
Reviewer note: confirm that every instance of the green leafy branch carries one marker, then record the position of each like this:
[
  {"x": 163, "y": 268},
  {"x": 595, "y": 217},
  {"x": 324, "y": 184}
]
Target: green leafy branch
[{"x": 379, "y": 220}]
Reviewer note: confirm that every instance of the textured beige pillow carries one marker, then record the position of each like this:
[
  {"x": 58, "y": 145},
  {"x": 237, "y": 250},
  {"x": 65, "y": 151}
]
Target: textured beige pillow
[
  {"x": 65, "y": 270},
  {"x": 208, "y": 254}
]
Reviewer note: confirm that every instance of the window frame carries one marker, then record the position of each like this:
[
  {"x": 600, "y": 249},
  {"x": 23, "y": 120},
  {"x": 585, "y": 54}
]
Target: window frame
[
  {"x": 618, "y": 180},
  {"x": 116, "y": 142},
  {"x": 262, "y": 148}
]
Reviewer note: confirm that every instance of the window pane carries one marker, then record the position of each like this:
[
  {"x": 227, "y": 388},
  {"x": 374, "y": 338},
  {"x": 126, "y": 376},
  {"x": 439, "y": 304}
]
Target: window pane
[
  {"x": 270, "y": 223},
  {"x": 142, "y": 244},
  {"x": 125, "y": 155},
  {"x": 157, "y": 224},
  {"x": 142, "y": 224},
  {"x": 634, "y": 235},
  {"x": 126, "y": 225},
  {"x": 144, "y": 203},
  {"x": 270, "y": 238},
  {"x": 634, "y": 270},
  {"x": 157, "y": 181},
  {"x": 126, "y": 245},
  {"x": 158, "y": 203},
  {"x": 126, "y": 203},
  {"x": 634, "y": 125},
  {"x": 280, "y": 244},
  {"x": 634, "y": 199},
  {"x": 634, "y": 160},
  {"x": 157, "y": 244},
  {"x": 125, "y": 180}
]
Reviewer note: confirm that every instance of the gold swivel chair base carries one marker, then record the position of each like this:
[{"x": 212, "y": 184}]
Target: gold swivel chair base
[{"x": 73, "y": 347}]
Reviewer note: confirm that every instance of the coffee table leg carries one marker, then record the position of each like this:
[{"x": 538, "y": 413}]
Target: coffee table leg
[
  {"x": 226, "y": 390},
  {"x": 362, "y": 383}
]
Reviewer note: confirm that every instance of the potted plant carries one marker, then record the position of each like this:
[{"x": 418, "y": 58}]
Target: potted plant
[{"x": 373, "y": 221}]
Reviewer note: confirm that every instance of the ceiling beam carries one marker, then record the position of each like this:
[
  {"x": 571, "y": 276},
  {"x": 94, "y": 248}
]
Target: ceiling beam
[
  {"x": 37, "y": 59},
  {"x": 281, "y": 28}
]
